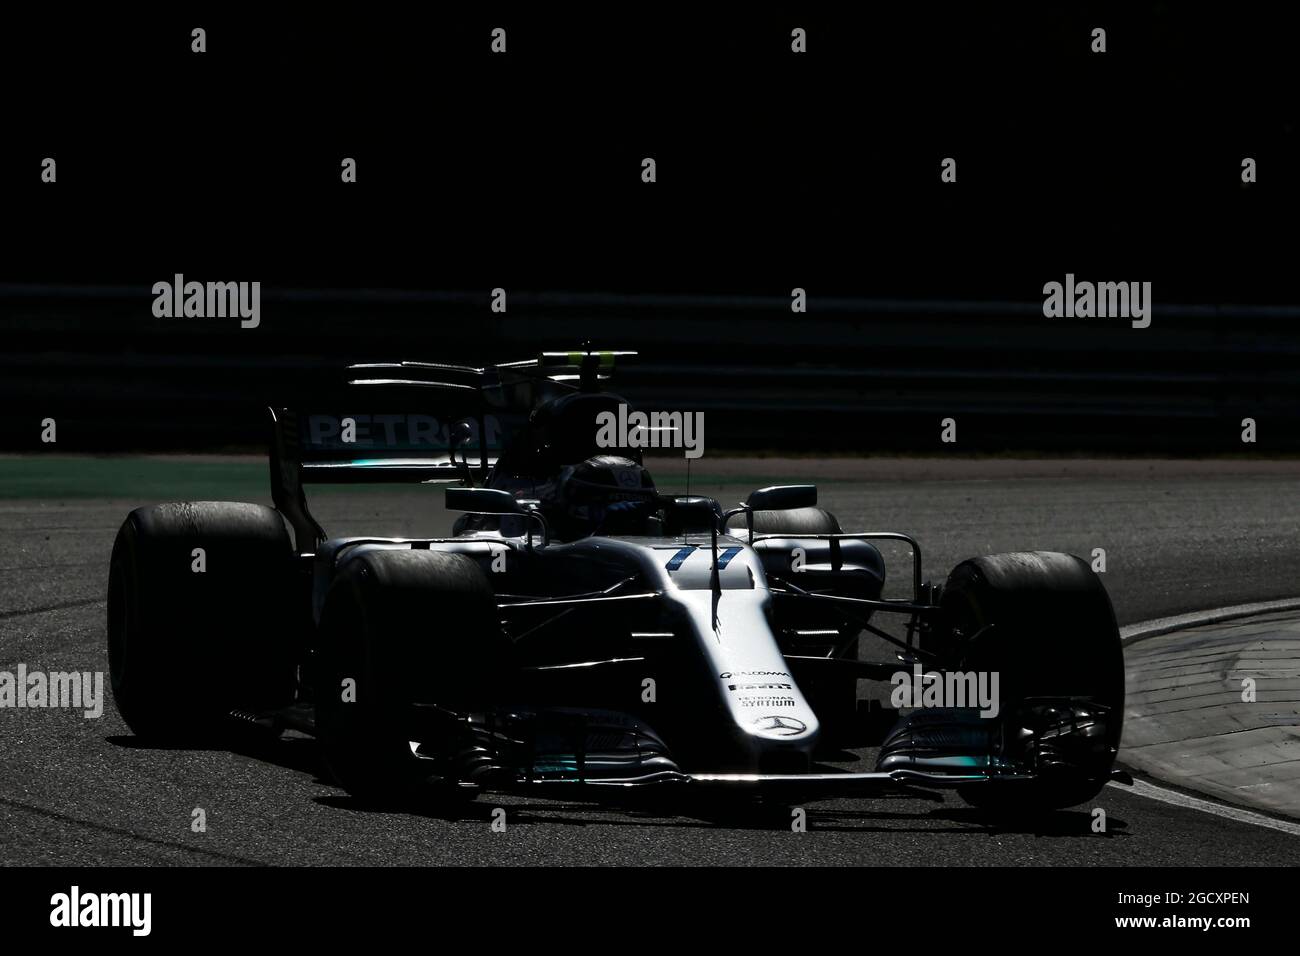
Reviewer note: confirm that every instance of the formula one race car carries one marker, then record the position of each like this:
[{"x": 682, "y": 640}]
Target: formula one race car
[{"x": 582, "y": 630}]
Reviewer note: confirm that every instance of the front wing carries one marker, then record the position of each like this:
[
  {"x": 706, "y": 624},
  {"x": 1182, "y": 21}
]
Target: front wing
[{"x": 564, "y": 748}]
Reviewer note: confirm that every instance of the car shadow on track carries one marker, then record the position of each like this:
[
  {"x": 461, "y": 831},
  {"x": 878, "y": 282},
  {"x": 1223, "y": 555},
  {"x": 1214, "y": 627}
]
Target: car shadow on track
[
  {"x": 683, "y": 814},
  {"x": 297, "y": 753}
]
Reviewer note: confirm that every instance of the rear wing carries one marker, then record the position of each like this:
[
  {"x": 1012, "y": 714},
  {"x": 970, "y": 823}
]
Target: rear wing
[
  {"x": 396, "y": 421},
  {"x": 583, "y": 368}
]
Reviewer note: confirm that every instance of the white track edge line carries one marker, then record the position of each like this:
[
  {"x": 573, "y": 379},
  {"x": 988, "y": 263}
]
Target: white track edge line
[
  {"x": 1164, "y": 625},
  {"x": 1149, "y": 790}
]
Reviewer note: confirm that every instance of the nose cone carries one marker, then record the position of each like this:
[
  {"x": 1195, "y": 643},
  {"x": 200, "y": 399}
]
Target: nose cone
[
  {"x": 768, "y": 724},
  {"x": 779, "y": 743}
]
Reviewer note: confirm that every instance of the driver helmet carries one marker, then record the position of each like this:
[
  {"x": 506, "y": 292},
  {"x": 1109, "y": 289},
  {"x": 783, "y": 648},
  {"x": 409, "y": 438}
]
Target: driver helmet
[{"x": 605, "y": 494}]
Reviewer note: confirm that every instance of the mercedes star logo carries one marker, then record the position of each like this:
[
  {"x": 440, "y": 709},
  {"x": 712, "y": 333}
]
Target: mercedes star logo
[{"x": 785, "y": 726}]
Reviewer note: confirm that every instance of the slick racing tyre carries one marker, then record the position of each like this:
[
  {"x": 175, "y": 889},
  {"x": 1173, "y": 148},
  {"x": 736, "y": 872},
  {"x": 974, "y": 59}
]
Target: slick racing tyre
[
  {"x": 405, "y": 636},
  {"x": 1043, "y": 622},
  {"x": 197, "y": 617}
]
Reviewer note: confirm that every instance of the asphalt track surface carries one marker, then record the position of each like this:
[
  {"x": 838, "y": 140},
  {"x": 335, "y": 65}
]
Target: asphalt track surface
[{"x": 82, "y": 792}]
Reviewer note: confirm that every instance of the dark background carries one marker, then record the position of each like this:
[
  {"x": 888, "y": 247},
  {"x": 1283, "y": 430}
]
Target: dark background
[{"x": 774, "y": 171}]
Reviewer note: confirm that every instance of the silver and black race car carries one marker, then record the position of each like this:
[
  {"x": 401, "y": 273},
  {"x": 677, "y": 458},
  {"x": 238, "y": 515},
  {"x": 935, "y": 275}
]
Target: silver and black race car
[{"x": 581, "y": 632}]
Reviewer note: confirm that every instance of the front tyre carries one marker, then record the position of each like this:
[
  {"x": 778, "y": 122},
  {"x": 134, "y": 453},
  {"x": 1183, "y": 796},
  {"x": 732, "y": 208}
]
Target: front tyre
[
  {"x": 405, "y": 637},
  {"x": 1043, "y": 622}
]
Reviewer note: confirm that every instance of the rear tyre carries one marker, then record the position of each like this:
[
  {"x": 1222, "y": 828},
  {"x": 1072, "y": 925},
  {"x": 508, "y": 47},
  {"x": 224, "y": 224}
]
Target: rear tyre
[
  {"x": 402, "y": 632},
  {"x": 1043, "y": 621},
  {"x": 198, "y": 622}
]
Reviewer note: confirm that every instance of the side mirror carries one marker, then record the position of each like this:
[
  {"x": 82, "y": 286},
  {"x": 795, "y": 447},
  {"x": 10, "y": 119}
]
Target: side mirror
[
  {"x": 483, "y": 501},
  {"x": 783, "y": 497}
]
